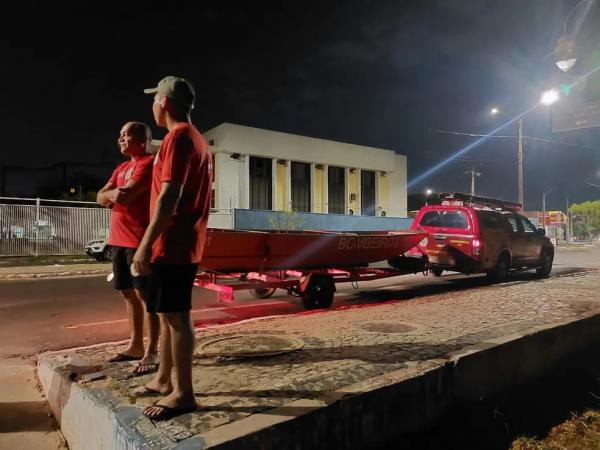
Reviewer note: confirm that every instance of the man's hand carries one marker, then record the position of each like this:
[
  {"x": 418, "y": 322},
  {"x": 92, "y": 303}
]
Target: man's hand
[
  {"x": 141, "y": 261},
  {"x": 112, "y": 195}
]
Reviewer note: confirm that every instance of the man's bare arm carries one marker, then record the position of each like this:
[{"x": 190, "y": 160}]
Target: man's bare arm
[
  {"x": 102, "y": 198},
  {"x": 126, "y": 194},
  {"x": 166, "y": 204}
]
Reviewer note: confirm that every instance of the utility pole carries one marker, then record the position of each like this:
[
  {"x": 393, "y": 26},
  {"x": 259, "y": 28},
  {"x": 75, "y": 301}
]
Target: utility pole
[
  {"x": 473, "y": 174},
  {"x": 520, "y": 164},
  {"x": 544, "y": 208},
  {"x": 567, "y": 230}
]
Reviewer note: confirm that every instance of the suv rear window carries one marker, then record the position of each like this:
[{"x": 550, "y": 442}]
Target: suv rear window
[{"x": 444, "y": 219}]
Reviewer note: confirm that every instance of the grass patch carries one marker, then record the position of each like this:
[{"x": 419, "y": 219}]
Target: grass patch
[{"x": 45, "y": 260}]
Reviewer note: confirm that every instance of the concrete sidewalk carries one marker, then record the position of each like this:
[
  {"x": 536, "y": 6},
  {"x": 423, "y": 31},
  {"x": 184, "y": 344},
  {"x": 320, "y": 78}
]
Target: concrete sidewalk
[
  {"x": 26, "y": 419},
  {"x": 344, "y": 379}
]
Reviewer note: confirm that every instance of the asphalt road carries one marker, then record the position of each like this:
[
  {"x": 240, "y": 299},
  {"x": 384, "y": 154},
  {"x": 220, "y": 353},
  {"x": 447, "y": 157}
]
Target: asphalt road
[{"x": 50, "y": 314}]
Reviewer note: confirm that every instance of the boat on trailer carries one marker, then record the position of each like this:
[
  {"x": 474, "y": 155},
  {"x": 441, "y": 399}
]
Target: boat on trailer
[
  {"x": 306, "y": 263},
  {"x": 259, "y": 251}
]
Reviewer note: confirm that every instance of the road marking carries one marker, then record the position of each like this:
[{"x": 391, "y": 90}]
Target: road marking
[{"x": 208, "y": 310}]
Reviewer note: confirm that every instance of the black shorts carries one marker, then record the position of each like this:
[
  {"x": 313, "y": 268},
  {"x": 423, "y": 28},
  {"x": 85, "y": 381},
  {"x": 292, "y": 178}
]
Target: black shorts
[
  {"x": 123, "y": 280},
  {"x": 169, "y": 287}
]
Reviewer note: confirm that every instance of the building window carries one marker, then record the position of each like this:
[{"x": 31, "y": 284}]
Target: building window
[
  {"x": 300, "y": 179},
  {"x": 367, "y": 192},
  {"x": 260, "y": 183},
  {"x": 336, "y": 180}
]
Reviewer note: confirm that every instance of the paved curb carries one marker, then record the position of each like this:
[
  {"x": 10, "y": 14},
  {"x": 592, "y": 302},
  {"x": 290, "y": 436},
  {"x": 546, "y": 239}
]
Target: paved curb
[{"x": 373, "y": 401}]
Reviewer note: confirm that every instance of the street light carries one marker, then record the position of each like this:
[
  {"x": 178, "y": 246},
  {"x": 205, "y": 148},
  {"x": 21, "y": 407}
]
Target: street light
[
  {"x": 494, "y": 112},
  {"x": 549, "y": 97},
  {"x": 565, "y": 51},
  {"x": 428, "y": 192},
  {"x": 473, "y": 174}
]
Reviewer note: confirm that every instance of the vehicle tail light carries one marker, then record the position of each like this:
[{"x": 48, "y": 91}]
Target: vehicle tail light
[{"x": 477, "y": 246}]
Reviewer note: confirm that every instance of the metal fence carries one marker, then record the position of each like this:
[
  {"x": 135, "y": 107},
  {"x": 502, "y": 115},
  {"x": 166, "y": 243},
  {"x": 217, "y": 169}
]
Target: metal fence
[{"x": 41, "y": 229}]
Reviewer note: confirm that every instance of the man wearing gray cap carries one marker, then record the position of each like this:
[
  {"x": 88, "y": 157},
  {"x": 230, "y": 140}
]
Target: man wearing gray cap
[{"x": 172, "y": 245}]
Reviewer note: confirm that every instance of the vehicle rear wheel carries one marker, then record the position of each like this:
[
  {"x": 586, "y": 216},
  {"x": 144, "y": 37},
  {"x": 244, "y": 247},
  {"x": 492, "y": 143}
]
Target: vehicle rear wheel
[
  {"x": 262, "y": 292},
  {"x": 319, "y": 293},
  {"x": 437, "y": 271},
  {"x": 500, "y": 273},
  {"x": 546, "y": 264}
]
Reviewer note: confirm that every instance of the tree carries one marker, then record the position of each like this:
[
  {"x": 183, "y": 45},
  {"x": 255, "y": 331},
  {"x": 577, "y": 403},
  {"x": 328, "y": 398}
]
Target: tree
[{"x": 586, "y": 219}]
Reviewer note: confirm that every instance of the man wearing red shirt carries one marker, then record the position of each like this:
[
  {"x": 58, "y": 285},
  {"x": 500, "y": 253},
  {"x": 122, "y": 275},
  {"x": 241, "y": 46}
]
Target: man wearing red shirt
[
  {"x": 172, "y": 245},
  {"x": 127, "y": 193}
]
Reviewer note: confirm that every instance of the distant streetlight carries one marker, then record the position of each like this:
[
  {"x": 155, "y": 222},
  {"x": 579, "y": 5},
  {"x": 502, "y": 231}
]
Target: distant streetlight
[
  {"x": 473, "y": 174},
  {"x": 428, "y": 192},
  {"x": 494, "y": 111},
  {"x": 549, "y": 97}
]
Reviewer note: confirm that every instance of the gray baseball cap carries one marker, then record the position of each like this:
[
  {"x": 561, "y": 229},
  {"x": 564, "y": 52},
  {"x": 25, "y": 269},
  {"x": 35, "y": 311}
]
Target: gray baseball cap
[{"x": 177, "y": 89}]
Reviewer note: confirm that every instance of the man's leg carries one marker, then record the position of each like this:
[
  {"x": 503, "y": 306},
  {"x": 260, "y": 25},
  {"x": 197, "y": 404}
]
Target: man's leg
[
  {"x": 182, "y": 347},
  {"x": 150, "y": 360},
  {"x": 162, "y": 380},
  {"x": 135, "y": 314}
]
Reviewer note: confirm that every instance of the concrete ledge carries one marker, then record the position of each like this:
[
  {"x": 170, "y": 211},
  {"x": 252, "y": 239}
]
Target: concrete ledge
[{"x": 349, "y": 388}]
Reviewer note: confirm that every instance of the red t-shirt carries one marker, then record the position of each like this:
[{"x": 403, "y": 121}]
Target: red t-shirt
[
  {"x": 183, "y": 158},
  {"x": 129, "y": 222}
]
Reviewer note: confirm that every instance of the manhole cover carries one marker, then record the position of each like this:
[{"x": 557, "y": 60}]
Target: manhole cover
[
  {"x": 244, "y": 346},
  {"x": 386, "y": 327}
]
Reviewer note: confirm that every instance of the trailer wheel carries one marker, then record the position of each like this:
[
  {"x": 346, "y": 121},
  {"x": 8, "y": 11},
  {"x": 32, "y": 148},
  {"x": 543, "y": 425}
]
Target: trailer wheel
[
  {"x": 318, "y": 293},
  {"x": 436, "y": 271},
  {"x": 262, "y": 292}
]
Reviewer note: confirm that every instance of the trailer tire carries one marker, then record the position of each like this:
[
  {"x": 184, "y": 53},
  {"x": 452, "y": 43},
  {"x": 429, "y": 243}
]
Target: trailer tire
[
  {"x": 262, "y": 292},
  {"x": 436, "y": 271},
  {"x": 319, "y": 293}
]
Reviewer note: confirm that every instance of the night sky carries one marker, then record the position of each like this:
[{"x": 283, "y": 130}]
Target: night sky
[{"x": 387, "y": 74}]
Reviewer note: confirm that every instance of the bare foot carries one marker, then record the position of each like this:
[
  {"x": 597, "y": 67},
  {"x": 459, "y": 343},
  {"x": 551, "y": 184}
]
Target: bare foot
[
  {"x": 134, "y": 352},
  {"x": 161, "y": 388}
]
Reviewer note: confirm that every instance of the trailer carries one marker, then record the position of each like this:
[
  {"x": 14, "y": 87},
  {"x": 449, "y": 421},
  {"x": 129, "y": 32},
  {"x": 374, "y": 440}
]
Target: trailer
[{"x": 315, "y": 287}]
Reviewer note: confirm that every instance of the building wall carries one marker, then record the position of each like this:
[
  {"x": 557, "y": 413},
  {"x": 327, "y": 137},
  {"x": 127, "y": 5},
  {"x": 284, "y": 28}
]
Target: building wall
[{"x": 232, "y": 145}]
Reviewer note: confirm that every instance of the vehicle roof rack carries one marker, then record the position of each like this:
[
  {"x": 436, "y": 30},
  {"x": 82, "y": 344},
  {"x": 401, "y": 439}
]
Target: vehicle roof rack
[{"x": 475, "y": 201}]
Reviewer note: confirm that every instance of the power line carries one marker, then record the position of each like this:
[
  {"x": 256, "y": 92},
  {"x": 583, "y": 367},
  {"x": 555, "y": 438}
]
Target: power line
[{"x": 531, "y": 138}]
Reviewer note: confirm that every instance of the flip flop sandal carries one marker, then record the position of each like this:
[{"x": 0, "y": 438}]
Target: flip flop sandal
[
  {"x": 123, "y": 357},
  {"x": 149, "y": 368},
  {"x": 168, "y": 413}
]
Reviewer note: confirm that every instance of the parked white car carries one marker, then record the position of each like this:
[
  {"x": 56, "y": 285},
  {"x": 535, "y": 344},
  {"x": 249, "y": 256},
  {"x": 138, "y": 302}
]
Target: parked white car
[{"x": 99, "y": 249}]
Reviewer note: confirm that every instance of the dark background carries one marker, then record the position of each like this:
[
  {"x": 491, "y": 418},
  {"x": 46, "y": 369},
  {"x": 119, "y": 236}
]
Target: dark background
[{"x": 387, "y": 74}]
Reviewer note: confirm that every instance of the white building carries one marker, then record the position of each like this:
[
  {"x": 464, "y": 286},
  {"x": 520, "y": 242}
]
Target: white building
[{"x": 269, "y": 170}]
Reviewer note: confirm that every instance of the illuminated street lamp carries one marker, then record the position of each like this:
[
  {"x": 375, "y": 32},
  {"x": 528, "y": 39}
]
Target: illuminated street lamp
[
  {"x": 549, "y": 97},
  {"x": 428, "y": 192}
]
